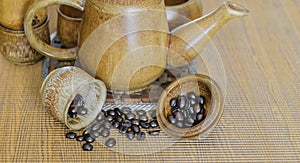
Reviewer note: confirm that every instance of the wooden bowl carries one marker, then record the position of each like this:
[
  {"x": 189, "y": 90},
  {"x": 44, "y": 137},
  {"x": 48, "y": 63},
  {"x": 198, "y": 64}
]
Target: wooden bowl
[{"x": 200, "y": 85}]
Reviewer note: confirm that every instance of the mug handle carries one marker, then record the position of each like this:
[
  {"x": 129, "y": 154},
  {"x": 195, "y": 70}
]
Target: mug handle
[{"x": 39, "y": 45}]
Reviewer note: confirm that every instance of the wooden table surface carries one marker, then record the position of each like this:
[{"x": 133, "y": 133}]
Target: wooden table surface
[{"x": 261, "y": 58}]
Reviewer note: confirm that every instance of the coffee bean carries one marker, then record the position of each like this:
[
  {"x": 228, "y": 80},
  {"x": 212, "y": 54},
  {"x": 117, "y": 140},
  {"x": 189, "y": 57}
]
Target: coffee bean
[
  {"x": 186, "y": 124},
  {"x": 135, "y": 122},
  {"x": 82, "y": 111},
  {"x": 140, "y": 112},
  {"x": 111, "y": 113},
  {"x": 130, "y": 116},
  {"x": 111, "y": 142},
  {"x": 135, "y": 128},
  {"x": 118, "y": 111},
  {"x": 72, "y": 112},
  {"x": 87, "y": 147},
  {"x": 181, "y": 102},
  {"x": 130, "y": 135},
  {"x": 189, "y": 121},
  {"x": 201, "y": 100},
  {"x": 197, "y": 108},
  {"x": 154, "y": 132},
  {"x": 105, "y": 132},
  {"x": 143, "y": 118},
  {"x": 173, "y": 102},
  {"x": 109, "y": 118},
  {"x": 71, "y": 135},
  {"x": 191, "y": 110},
  {"x": 193, "y": 102},
  {"x": 174, "y": 110},
  {"x": 100, "y": 117},
  {"x": 89, "y": 139},
  {"x": 96, "y": 126},
  {"x": 123, "y": 130},
  {"x": 179, "y": 124},
  {"x": 126, "y": 110},
  {"x": 118, "y": 119},
  {"x": 187, "y": 105},
  {"x": 116, "y": 124},
  {"x": 179, "y": 116},
  {"x": 186, "y": 114},
  {"x": 200, "y": 117},
  {"x": 171, "y": 119},
  {"x": 80, "y": 138},
  {"x": 191, "y": 96},
  {"x": 95, "y": 134},
  {"x": 202, "y": 110},
  {"x": 153, "y": 124},
  {"x": 107, "y": 125},
  {"x": 78, "y": 100},
  {"x": 86, "y": 132},
  {"x": 144, "y": 125},
  {"x": 141, "y": 136},
  {"x": 153, "y": 114},
  {"x": 126, "y": 123}
]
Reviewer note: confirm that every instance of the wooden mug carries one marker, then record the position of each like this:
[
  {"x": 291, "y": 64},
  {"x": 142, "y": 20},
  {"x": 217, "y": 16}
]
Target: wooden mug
[{"x": 12, "y": 13}]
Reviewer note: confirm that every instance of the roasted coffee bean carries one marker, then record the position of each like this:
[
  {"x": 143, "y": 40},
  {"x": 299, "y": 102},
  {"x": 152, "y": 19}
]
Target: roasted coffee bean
[
  {"x": 191, "y": 110},
  {"x": 71, "y": 135},
  {"x": 191, "y": 95},
  {"x": 80, "y": 138},
  {"x": 78, "y": 100},
  {"x": 153, "y": 124},
  {"x": 86, "y": 132},
  {"x": 116, "y": 124},
  {"x": 126, "y": 123},
  {"x": 95, "y": 134},
  {"x": 135, "y": 122},
  {"x": 174, "y": 110},
  {"x": 144, "y": 125},
  {"x": 110, "y": 118},
  {"x": 181, "y": 102},
  {"x": 180, "y": 124},
  {"x": 179, "y": 116},
  {"x": 202, "y": 110},
  {"x": 200, "y": 117},
  {"x": 186, "y": 114},
  {"x": 189, "y": 121},
  {"x": 96, "y": 126},
  {"x": 126, "y": 110},
  {"x": 143, "y": 118},
  {"x": 111, "y": 113},
  {"x": 105, "y": 132},
  {"x": 173, "y": 102},
  {"x": 201, "y": 100},
  {"x": 107, "y": 125},
  {"x": 193, "y": 102},
  {"x": 154, "y": 132},
  {"x": 171, "y": 119},
  {"x": 153, "y": 114},
  {"x": 140, "y": 112},
  {"x": 123, "y": 130},
  {"x": 130, "y": 135},
  {"x": 130, "y": 116},
  {"x": 186, "y": 124},
  {"x": 118, "y": 111},
  {"x": 82, "y": 111},
  {"x": 87, "y": 147},
  {"x": 100, "y": 117},
  {"x": 141, "y": 136},
  {"x": 135, "y": 128},
  {"x": 118, "y": 119},
  {"x": 197, "y": 108},
  {"x": 72, "y": 112},
  {"x": 111, "y": 142},
  {"x": 187, "y": 105},
  {"x": 89, "y": 139}
]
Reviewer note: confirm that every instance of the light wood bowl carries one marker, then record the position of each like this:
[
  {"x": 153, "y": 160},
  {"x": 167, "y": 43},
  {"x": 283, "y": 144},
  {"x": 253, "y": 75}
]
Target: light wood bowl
[{"x": 200, "y": 85}]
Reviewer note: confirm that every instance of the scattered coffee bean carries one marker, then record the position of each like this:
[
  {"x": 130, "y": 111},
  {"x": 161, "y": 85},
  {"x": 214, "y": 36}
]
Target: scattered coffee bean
[
  {"x": 118, "y": 119},
  {"x": 126, "y": 123},
  {"x": 173, "y": 102},
  {"x": 123, "y": 130},
  {"x": 171, "y": 119},
  {"x": 111, "y": 113},
  {"x": 95, "y": 134},
  {"x": 116, "y": 124},
  {"x": 141, "y": 112},
  {"x": 82, "y": 111},
  {"x": 107, "y": 125},
  {"x": 135, "y": 122},
  {"x": 86, "y": 132},
  {"x": 87, "y": 147},
  {"x": 111, "y": 142},
  {"x": 109, "y": 118},
  {"x": 143, "y": 118},
  {"x": 89, "y": 139},
  {"x": 96, "y": 126},
  {"x": 135, "y": 128},
  {"x": 130, "y": 116},
  {"x": 144, "y": 125},
  {"x": 154, "y": 132},
  {"x": 100, "y": 117},
  {"x": 130, "y": 135},
  {"x": 80, "y": 138},
  {"x": 71, "y": 135},
  {"x": 141, "y": 136},
  {"x": 153, "y": 124},
  {"x": 126, "y": 110},
  {"x": 72, "y": 112},
  {"x": 118, "y": 111},
  {"x": 201, "y": 100},
  {"x": 105, "y": 132}
]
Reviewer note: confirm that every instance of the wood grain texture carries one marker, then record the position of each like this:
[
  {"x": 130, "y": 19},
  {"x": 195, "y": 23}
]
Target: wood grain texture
[{"x": 260, "y": 123}]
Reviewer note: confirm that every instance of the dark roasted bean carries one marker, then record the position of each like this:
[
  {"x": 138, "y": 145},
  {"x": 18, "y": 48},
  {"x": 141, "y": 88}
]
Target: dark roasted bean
[
  {"x": 179, "y": 116},
  {"x": 135, "y": 128},
  {"x": 179, "y": 124},
  {"x": 105, "y": 132},
  {"x": 141, "y": 136},
  {"x": 118, "y": 111},
  {"x": 171, "y": 119},
  {"x": 82, "y": 111},
  {"x": 174, "y": 110},
  {"x": 107, "y": 124},
  {"x": 201, "y": 100},
  {"x": 154, "y": 132},
  {"x": 111, "y": 142},
  {"x": 130, "y": 116},
  {"x": 87, "y": 147},
  {"x": 95, "y": 134},
  {"x": 130, "y": 135},
  {"x": 86, "y": 132},
  {"x": 111, "y": 113},
  {"x": 72, "y": 112},
  {"x": 96, "y": 126},
  {"x": 193, "y": 102},
  {"x": 191, "y": 95},
  {"x": 135, "y": 122},
  {"x": 89, "y": 139},
  {"x": 200, "y": 117},
  {"x": 118, "y": 119},
  {"x": 186, "y": 114},
  {"x": 123, "y": 130},
  {"x": 126, "y": 123},
  {"x": 143, "y": 118},
  {"x": 71, "y": 135},
  {"x": 153, "y": 124},
  {"x": 197, "y": 108},
  {"x": 153, "y": 114},
  {"x": 109, "y": 118},
  {"x": 80, "y": 138},
  {"x": 126, "y": 110},
  {"x": 144, "y": 125},
  {"x": 173, "y": 102},
  {"x": 202, "y": 110},
  {"x": 191, "y": 110},
  {"x": 189, "y": 121},
  {"x": 116, "y": 124},
  {"x": 181, "y": 102},
  {"x": 140, "y": 112},
  {"x": 100, "y": 117}
]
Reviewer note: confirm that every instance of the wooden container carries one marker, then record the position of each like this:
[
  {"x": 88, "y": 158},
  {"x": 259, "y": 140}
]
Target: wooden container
[{"x": 200, "y": 85}]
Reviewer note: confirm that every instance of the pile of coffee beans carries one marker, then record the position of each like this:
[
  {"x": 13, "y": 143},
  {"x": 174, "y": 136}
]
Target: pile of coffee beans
[
  {"x": 187, "y": 110},
  {"x": 128, "y": 123},
  {"x": 77, "y": 107}
]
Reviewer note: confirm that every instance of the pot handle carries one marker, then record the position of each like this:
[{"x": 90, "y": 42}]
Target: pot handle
[{"x": 39, "y": 45}]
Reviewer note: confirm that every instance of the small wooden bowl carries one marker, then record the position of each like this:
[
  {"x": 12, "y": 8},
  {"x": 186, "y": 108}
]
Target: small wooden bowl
[{"x": 200, "y": 85}]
